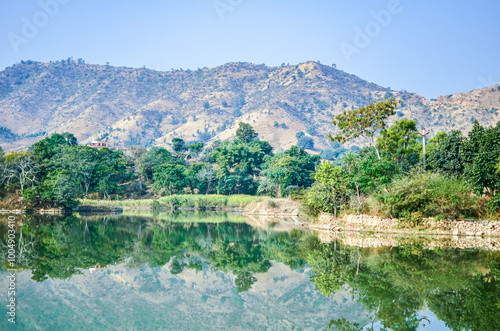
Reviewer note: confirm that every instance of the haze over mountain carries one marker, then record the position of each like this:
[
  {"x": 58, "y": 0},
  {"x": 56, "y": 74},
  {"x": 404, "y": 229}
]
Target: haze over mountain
[{"x": 139, "y": 106}]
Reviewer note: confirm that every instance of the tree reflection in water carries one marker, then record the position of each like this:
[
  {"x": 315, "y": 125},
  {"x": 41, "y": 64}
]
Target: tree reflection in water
[{"x": 461, "y": 287}]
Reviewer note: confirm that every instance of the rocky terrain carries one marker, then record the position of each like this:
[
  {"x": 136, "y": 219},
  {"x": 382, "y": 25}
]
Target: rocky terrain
[{"x": 139, "y": 106}]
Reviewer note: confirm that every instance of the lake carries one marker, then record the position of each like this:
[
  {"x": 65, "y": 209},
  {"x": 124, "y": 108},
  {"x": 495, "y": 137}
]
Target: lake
[{"x": 198, "y": 271}]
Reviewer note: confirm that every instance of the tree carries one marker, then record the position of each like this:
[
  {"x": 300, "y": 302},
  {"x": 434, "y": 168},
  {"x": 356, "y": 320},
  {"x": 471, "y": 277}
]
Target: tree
[
  {"x": 306, "y": 142},
  {"x": 245, "y": 132},
  {"x": 364, "y": 122},
  {"x": 207, "y": 175},
  {"x": 20, "y": 168},
  {"x": 329, "y": 192},
  {"x": 169, "y": 177},
  {"x": 136, "y": 156},
  {"x": 178, "y": 145},
  {"x": 311, "y": 129},
  {"x": 195, "y": 149},
  {"x": 444, "y": 153},
  {"x": 401, "y": 139},
  {"x": 480, "y": 153},
  {"x": 206, "y": 104},
  {"x": 299, "y": 134},
  {"x": 293, "y": 168}
]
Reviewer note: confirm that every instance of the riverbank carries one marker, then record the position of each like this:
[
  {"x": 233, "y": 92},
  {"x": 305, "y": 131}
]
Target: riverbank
[
  {"x": 182, "y": 202},
  {"x": 379, "y": 225}
]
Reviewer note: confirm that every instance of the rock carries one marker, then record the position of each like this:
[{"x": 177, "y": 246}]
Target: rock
[{"x": 295, "y": 212}]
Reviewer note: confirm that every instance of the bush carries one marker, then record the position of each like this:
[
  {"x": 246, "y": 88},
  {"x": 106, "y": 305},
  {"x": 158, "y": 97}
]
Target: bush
[
  {"x": 306, "y": 142},
  {"x": 431, "y": 194},
  {"x": 299, "y": 134},
  {"x": 330, "y": 190}
]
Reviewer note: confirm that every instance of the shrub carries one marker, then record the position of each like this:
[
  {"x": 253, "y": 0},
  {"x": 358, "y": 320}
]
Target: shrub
[
  {"x": 330, "y": 190},
  {"x": 306, "y": 142},
  {"x": 429, "y": 193}
]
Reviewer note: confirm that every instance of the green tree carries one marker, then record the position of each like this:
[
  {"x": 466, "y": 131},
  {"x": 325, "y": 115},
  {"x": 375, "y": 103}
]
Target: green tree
[
  {"x": 178, "y": 145},
  {"x": 480, "y": 153},
  {"x": 401, "y": 139},
  {"x": 306, "y": 142},
  {"x": 293, "y": 168},
  {"x": 444, "y": 153},
  {"x": 364, "y": 122},
  {"x": 329, "y": 192},
  {"x": 195, "y": 149},
  {"x": 170, "y": 178},
  {"x": 245, "y": 132}
]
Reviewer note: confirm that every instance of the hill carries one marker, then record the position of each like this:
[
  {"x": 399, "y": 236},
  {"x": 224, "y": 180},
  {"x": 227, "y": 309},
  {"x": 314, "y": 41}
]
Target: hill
[{"x": 139, "y": 106}]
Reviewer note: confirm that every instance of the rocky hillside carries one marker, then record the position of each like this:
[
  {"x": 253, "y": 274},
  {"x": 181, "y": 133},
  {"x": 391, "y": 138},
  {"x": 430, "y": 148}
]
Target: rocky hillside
[{"x": 128, "y": 106}]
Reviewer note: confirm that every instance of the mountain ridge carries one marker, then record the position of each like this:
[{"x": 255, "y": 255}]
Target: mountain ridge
[{"x": 139, "y": 106}]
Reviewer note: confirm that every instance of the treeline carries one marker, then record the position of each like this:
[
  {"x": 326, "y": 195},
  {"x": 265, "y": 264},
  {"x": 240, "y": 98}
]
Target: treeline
[
  {"x": 461, "y": 178},
  {"x": 58, "y": 171}
]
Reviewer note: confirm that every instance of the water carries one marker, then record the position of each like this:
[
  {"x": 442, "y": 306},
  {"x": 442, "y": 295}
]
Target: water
[{"x": 213, "y": 272}]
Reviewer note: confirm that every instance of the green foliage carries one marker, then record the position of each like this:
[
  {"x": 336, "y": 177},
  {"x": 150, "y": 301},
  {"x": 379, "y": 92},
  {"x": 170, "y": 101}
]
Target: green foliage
[
  {"x": 293, "y": 168},
  {"x": 329, "y": 192},
  {"x": 195, "y": 149},
  {"x": 444, "y": 153},
  {"x": 332, "y": 266},
  {"x": 237, "y": 163},
  {"x": 169, "y": 178},
  {"x": 431, "y": 194},
  {"x": 244, "y": 281},
  {"x": 401, "y": 139},
  {"x": 306, "y": 142},
  {"x": 299, "y": 134},
  {"x": 178, "y": 145},
  {"x": 481, "y": 152},
  {"x": 369, "y": 171},
  {"x": 364, "y": 121},
  {"x": 245, "y": 132},
  {"x": 206, "y": 104}
]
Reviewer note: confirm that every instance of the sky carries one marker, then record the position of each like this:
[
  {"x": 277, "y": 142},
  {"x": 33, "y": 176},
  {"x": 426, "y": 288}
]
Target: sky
[{"x": 432, "y": 48}]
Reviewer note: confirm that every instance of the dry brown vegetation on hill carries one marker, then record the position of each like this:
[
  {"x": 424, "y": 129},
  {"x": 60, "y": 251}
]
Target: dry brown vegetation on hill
[{"x": 128, "y": 106}]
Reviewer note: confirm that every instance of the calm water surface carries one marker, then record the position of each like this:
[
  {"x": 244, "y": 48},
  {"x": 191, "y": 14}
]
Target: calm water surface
[{"x": 215, "y": 272}]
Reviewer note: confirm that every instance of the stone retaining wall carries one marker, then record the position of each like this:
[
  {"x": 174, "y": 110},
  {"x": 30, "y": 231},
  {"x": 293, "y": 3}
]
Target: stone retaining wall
[
  {"x": 375, "y": 224},
  {"x": 371, "y": 232}
]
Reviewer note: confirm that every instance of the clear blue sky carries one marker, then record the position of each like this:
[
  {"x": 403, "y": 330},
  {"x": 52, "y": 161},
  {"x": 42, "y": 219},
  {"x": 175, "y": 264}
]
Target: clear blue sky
[{"x": 428, "y": 47}]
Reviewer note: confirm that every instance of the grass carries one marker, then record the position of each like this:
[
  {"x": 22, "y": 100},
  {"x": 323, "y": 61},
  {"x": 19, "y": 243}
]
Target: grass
[
  {"x": 427, "y": 194},
  {"x": 183, "y": 201}
]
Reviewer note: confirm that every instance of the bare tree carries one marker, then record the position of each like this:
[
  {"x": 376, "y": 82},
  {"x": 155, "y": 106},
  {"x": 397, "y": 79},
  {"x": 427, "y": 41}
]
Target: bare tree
[
  {"x": 206, "y": 175},
  {"x": 136, "y": 156},
  {"x": 20, "y": 167}
]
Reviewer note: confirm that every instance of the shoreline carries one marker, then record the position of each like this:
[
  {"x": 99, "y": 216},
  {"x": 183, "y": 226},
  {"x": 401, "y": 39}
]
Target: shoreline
[{"x": 428, "y": 227}]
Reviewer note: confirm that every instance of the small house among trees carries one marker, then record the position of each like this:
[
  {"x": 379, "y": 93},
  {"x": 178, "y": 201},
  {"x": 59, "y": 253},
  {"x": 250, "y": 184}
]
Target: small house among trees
[{"x": 99, "y": 144}]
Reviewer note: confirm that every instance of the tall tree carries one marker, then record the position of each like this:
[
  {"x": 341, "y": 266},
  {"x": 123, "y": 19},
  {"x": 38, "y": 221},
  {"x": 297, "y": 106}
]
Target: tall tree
[
  {"x": 20, "y": 168},
  {"x": 136, "y": 156},
  {"x": 245, "y": 132},
  {"x": 364, "y": 122}
]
